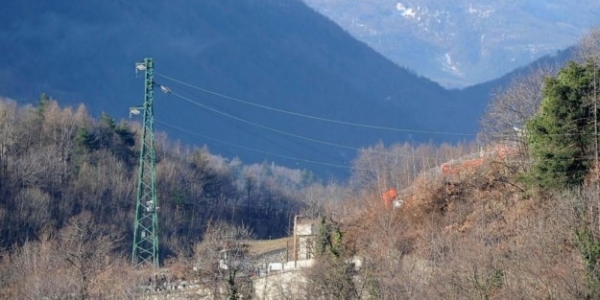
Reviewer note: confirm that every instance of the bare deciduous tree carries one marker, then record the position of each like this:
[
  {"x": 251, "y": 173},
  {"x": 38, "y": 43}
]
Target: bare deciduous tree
[
  {"x": 88, "y": 248},
  {"x": 222, "y": 264},
  {"x": 504, "y": 120},
  {"x": 589, "y": 46},
  {"x": 33, "y": 272}
]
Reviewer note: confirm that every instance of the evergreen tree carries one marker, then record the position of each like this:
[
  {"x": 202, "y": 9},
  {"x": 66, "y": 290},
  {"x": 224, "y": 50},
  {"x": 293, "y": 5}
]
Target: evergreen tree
[
  {"x": 43, "y": 103},
  {"x": 561, "y": 135},
  {"x": 329, "y": 239}
]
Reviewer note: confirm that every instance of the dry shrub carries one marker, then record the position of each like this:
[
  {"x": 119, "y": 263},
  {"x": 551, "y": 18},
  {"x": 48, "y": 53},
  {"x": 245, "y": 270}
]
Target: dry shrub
[
  {"x": 477, "y": 235},
  {"x": 117, "y": 281},
  {"x": 479, "y": 238},
  {"x": 444, "y": 194},
  {"x": 516, "y": 250},
  {"x": 428, "y": 196}
]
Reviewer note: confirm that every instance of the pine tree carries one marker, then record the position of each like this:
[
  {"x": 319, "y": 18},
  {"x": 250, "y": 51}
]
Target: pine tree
[{"x": 561, "y": 135}]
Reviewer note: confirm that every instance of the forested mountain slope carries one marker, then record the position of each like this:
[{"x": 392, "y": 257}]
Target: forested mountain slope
[
  {"x": 57, "y": 162},
  {"x": 279, "y": 54}
]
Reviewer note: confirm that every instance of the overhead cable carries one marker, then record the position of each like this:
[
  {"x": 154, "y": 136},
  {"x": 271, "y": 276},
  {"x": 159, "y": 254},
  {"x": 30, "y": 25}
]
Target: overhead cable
[
  {"x": 309, "y": 116},
  {"x": 251, "y": 149}
]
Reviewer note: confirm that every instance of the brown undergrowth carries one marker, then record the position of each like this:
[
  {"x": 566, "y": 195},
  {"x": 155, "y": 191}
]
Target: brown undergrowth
[{"x": 476, "y": 235}]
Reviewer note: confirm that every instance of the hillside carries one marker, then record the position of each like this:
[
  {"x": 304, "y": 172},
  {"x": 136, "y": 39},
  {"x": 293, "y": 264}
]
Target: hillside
[
  {"x": 462, "y": 43},
  {"x": 58, "y": 162},
  {"x": 477, "y": 233},
  {"x": 473, "y": 93},
  {"x": 271, "y": 53},
  {"x": 515, "y": 219},
  {"x": 499, "y": 222}
]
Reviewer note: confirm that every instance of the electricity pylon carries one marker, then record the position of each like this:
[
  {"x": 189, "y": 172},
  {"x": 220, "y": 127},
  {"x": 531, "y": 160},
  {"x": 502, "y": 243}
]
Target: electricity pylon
[{"x": 145, "y": 234}]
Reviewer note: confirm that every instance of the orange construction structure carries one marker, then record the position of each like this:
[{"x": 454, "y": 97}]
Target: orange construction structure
[{"x": 388, "y": 197}]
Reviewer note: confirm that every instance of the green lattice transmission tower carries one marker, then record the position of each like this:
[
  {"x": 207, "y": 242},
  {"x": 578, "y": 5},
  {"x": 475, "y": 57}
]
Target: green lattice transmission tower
[{"x": 145, "y": 235}]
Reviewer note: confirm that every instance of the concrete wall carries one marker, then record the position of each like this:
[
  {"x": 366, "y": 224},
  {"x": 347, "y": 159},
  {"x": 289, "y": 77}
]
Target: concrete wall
[
  {"x": 305, "y": 248},
  {"x": 280, "y": 285},
  {"x": 305, "y": 227},
  {"x": 304, "y": 232}
]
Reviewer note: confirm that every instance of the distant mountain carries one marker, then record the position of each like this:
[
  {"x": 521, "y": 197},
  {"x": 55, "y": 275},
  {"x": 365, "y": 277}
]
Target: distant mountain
[
  {"x": 463, "y": 42},
  {"x": 300, "y": 71},
  {"x": 485, "y": 90}
]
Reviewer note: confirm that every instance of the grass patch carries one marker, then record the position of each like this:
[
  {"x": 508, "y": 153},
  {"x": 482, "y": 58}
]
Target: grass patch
[{"x": 262, "y": 246}]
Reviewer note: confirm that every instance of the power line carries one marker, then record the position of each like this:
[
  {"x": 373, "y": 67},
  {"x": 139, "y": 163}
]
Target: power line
[
  {"x": 309, "y": 116},
  {"x": 277, "y": 130},
  {"x": 331, "y": 120},
  {"x": 456, "y": 160},
  {"x": 265, "y": 138},
  {"x": 228, "y": 115},
  {"x": 262, "y": 126},
  {"x": 299, "y": 136},
  {"x": 250, "y": 149}
]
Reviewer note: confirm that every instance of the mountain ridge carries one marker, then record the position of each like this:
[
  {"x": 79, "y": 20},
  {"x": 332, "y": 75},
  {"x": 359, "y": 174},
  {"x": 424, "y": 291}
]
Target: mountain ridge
[
  {"x": 462, "y": 43},
  {"x": 282, "y": 55}
]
